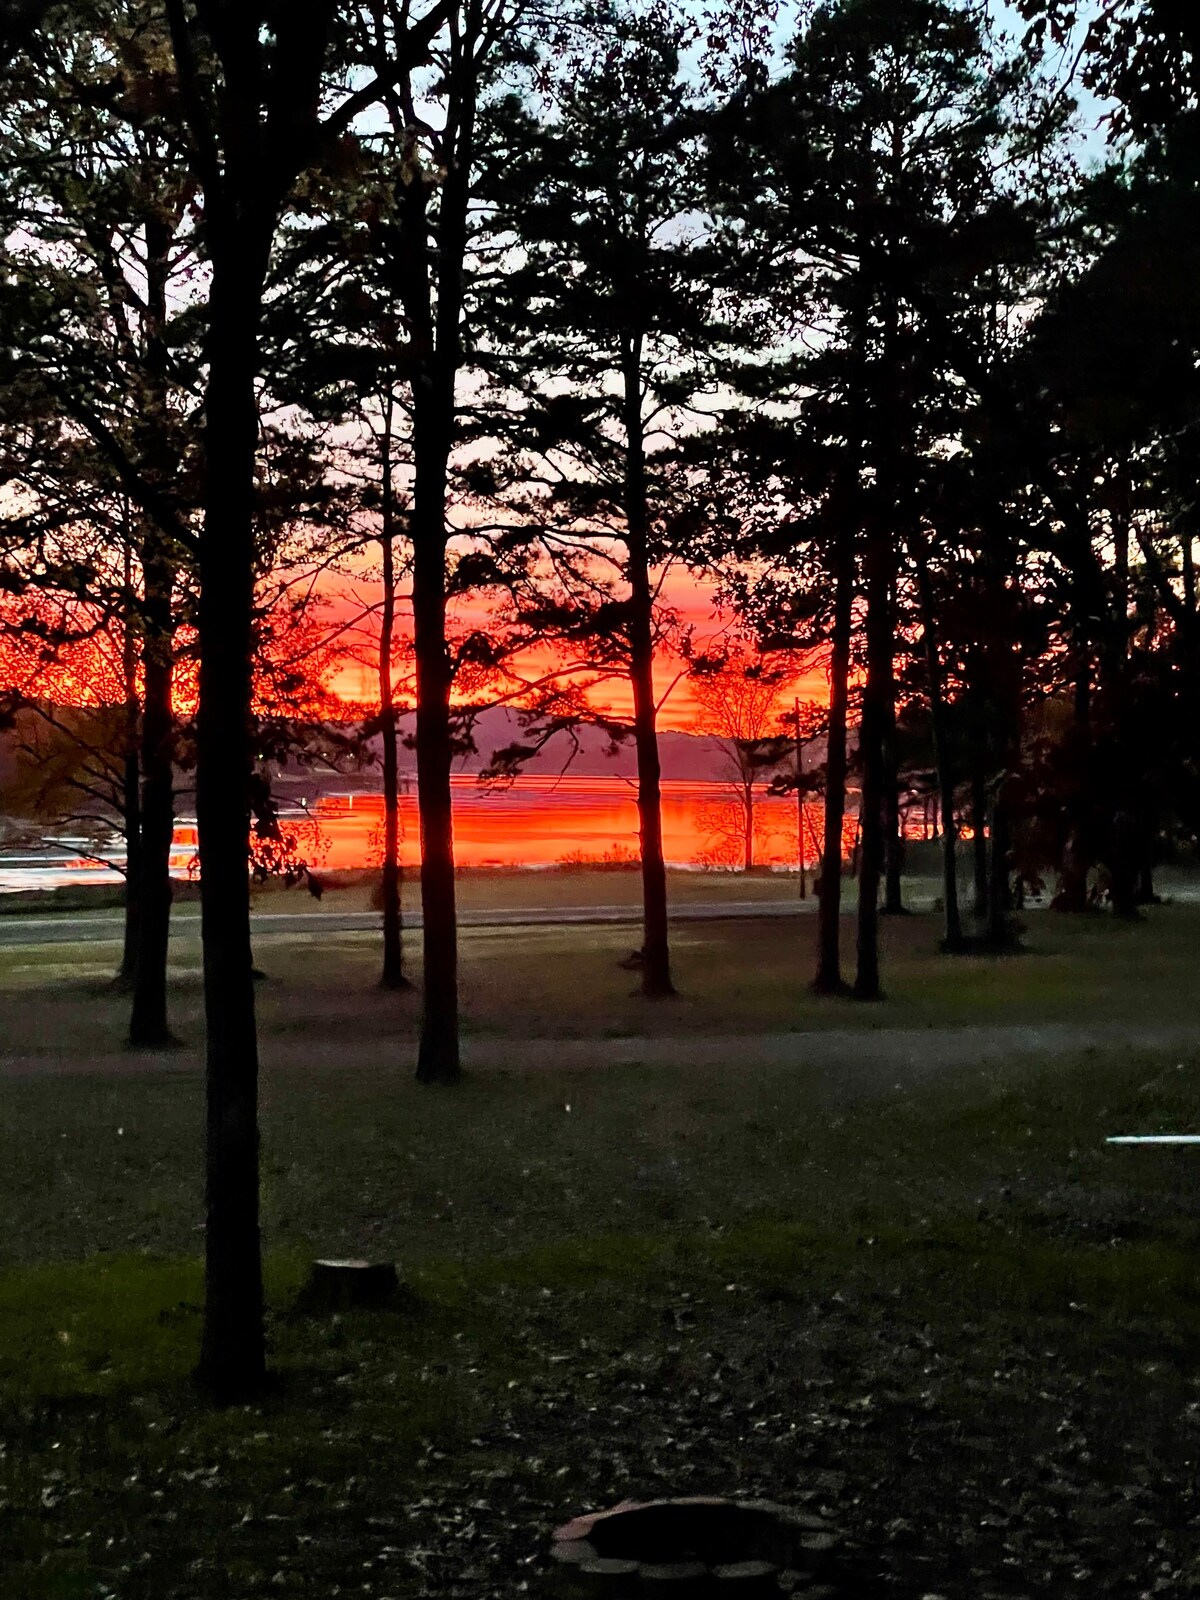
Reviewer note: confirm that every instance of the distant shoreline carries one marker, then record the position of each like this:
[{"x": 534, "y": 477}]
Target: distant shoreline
[{"x": 104, "y": 896}]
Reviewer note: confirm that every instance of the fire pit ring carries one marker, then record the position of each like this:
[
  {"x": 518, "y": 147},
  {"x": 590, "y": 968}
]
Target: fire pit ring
[{"x": 698, "y": 1548}]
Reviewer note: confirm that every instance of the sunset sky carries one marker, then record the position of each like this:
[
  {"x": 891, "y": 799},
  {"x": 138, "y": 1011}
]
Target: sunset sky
[{"x": 692, "y": 599}]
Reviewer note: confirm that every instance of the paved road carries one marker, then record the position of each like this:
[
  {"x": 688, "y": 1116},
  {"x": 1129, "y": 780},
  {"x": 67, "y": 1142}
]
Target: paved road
[{"x": 66, "y": 928}]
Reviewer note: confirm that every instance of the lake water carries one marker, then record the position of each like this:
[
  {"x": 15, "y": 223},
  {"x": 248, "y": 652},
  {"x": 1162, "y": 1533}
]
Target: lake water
[
  {"x": 540, "y": 822},
  {"x": 536, "y": 822}
]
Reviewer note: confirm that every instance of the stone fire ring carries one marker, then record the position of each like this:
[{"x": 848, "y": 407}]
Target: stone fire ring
[{"x": 699, "y": 1546}]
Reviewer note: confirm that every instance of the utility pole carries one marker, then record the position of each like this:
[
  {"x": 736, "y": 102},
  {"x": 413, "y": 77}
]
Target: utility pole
[{"x": 800, "y": 800}]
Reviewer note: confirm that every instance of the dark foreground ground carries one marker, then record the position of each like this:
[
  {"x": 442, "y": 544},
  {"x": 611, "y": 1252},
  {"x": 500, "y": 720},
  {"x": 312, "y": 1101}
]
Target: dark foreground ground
[{"x": 941, "y": 1311}]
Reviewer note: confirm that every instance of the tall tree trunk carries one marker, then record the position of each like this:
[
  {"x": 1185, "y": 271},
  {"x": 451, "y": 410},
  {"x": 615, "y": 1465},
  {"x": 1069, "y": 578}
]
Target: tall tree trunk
[
  {"x": 979, "y": 846},
  {"x": 883, "y": 847},
  {"x": 1083, "y": 659},
  {"x": 437, "y": 334},
  {"x": 893, "y": 846},
  {"x": 999, "y": 930},
  {"x": 953, "y": 936},
  {"x": 748, "y": 828},
  {"x": 656, "y": 950},
  {"x": 828, "y": 978},
  {"x": 438, "y": 1059},
  {"x": 871, "y": 745},
  {"x": 1123, "y": 867},
  {"x": 132, "y": 927},
  {"x": 131, "y": 805},
  {"x": 233, "y": 1355},
  {"x": 800, "y": 850},
  {"x": 883, "y": 521},
  {"x": 893, "y": 834},
  {"x": 976, "y": 703},
  {"x": 148, "y": 1025},
  {"x": 1124, "y": 852},
  {"x": 1072, "y": 895},
  {"x": 392, "y": 976},
  {"x": 433, "y": 306}
]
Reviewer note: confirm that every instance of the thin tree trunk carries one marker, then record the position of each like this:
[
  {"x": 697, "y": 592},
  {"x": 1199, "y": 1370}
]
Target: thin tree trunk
[
  {"x": 979, "y": 848},
  {"x": 392, "y": 976},
  {"x": 433, "y": 306},
  {"x": 132, "y": 928},
  {"x": 871, "y": 745},
  {"x": 656, "y": 953},
  {"x": 656, "y": 950},
  {"x": 828, "y": 978},
  {"x": 979, "y": 801},
  {"x": 233, "y": 1354},
  {"x": 800, "y": 852},
  {"x": 893, "y": 841},
  {"x": 148, "y": 1024},
  {"x": 1073, "y": 894},
  {"x": 1123, "y": 832},
  {"x": 882, "y": 844},
  {"x": 953, "y": 939},
  {"x": 893, "y": 898},
  {"x": 748, "y": 828},
  {"x": 131, "y": 806},
  {"x": 1123, "y": 872},
  {"x": 1088, "y": 602},
  {"x": 999, "y": 931},
  {"x": 437, "y": 337},
  {"x": 438, "y": 1058},
  {"x": 1083, "y": 665}
]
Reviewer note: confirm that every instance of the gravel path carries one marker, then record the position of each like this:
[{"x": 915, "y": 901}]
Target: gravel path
[
  {"x": 105, "y": 928},
  {"x": 847, "y": 1064}
]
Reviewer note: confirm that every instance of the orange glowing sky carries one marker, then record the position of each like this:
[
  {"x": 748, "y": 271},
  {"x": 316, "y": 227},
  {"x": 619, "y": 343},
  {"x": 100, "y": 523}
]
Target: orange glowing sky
[
  {"x": 695, "y": 605},
  {"x": 341, "y": 663}
]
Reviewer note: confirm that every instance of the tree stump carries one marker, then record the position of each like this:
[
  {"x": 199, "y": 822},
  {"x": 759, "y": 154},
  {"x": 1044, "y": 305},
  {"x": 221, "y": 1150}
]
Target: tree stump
[{"x": 348, "y": 1286}]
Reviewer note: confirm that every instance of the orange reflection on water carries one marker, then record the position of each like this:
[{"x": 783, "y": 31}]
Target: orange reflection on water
[{"x": 540, "y": 822}]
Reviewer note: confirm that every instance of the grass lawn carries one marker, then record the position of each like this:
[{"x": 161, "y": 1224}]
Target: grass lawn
[
  {"x": 950, "y": 1318},
  {"x": 565, "y": 982}
]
